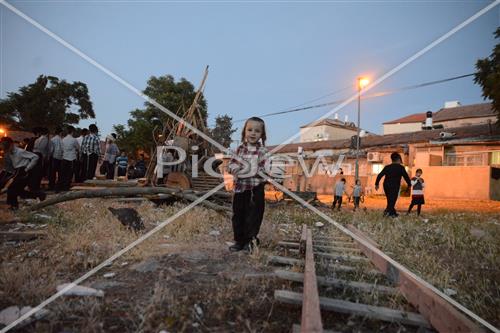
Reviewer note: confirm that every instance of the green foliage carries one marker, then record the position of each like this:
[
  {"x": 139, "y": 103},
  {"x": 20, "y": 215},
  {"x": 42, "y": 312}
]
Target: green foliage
[
  {"x": 488, "y": 76},
  {"x": 49, "y": 102},
  {"x": 223, "y": 130},
  {"x": 175, "y": 96}
]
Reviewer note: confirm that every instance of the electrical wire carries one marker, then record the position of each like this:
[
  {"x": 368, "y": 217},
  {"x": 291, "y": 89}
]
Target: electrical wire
[{"x": 380, "y": 94}]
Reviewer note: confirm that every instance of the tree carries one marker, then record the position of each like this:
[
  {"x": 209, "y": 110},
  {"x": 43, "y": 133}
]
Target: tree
[
  {"x": 49, "y": 102},
  {"x": 175, "y": 96},
  {"x": 488, "y": 76},
  {"x": 223, "y": 130}
]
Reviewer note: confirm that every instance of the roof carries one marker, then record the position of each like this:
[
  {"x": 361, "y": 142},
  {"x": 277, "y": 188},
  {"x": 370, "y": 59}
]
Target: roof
[
  {"x": 483, "y": 131},
  {"x": 333, "y": 123},
  {"x": 413, "y": 118},
  {"x": 466, "y": 111},
  {"x": 444, "y": 114}
]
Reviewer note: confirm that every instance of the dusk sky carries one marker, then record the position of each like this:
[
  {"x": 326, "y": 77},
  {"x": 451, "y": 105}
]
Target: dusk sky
[{"x": 264, "y": 57}]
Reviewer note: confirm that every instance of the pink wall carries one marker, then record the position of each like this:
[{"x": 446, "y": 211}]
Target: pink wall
[{"x": 454, "y": 182}]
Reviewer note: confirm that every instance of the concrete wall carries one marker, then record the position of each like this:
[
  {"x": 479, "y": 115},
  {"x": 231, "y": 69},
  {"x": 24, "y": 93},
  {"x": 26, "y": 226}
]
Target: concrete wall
[
  {"x": 453, "y": 182},
  {"x": 402, "y": 128},
  {"x": 309, "y": 134}
]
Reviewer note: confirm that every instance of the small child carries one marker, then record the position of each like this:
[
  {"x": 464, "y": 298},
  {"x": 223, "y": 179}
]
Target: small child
[
  {"x": 122, "y": 162},
  {"x": 339, "y": 192},
  {"x": 357, "y": 192},
  {"x": 248, "y": 199},
  {"x": 417, "y": 192}
]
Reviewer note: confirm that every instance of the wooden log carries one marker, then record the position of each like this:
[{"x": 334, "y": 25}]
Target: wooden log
[
  {"x": 128, "y": 191},
  {"x": 322, "y": 247},
  {"x": 110, "y": 183},
  {"x": 311, "y": 313},
  {"x": 338, "y": 283},
  {"x": 364, "y": 310},
  {"x": 441, "y": 314},
  {"x": 361, "y": 234},
  {"x": 337, "y": 267},
  {"x": 336, "y": 256}
]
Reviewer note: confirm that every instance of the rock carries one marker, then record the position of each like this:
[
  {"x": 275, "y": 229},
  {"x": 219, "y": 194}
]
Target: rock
[
  {"x": 12, "y": 313},
  {"x": 128, "y": 217},
  {"x": 107, "y": 284},
  {"x": 319, "y": 224},
  {"x": 80, "y": 291},
  {"x": 149, "y": 265},
  {"x": 125, "y": 263},
  {"x": 450, "y": 292},
  {"x": 43, "y": 216},
  {"x": 229, "y": 243},
  {"x": 214, "y": 233},
  {"x": 109, "y": 275},
  {"x": 199, "y": 310}
]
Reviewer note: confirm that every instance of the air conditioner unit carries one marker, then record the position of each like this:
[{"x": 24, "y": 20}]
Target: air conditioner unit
[{"x": 373, "y": 157}]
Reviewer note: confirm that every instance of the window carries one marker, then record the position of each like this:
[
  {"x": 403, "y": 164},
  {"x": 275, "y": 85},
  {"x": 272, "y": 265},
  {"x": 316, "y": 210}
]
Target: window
[
  {"x": 495, "y": 158},
  {"x": 376, "y": 168},
  {"x": 463, "y": 159}
]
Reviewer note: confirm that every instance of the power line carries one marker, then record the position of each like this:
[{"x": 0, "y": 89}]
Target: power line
[{"x": 380, "y": 94}]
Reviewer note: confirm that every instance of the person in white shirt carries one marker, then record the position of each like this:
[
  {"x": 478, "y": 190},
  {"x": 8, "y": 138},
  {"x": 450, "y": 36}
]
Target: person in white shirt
[
  {"x": 19, "y": 163},
  {"x": 56, "y": 158},
  {"x": 41, "y": 147},
  {"x": 70, "y": 153},
  {"x": 78, "y": 165}
]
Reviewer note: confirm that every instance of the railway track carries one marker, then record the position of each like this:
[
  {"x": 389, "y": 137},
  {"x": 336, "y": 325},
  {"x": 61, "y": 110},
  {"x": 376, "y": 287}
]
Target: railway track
[{"x": 339, "y": 279}]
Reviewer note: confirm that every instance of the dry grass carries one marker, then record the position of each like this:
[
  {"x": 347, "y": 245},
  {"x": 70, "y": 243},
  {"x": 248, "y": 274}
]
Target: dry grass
[{"x": 451, "y": 250}]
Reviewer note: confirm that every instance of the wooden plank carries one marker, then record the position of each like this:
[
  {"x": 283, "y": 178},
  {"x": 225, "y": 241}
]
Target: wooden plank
[
  {"x": 338, "y": 283},
  {"x": 340, "y": 257},
  {"x": 311, "y": 313},
  {"x": 361, "y": 234},
  {"x": 364, "y": 310},
  {"x": 303, "y": 239},
  {"x": 339, "y": 268},
  {"x": 323, "y": 247},
  {"x": 335, "y": 243},
  {"x": 21, "y": 235},
  {"x": 441, "y": 314}
]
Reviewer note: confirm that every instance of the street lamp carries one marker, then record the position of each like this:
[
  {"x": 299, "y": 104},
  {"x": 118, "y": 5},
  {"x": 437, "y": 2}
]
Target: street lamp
[{"x": 362, "y": 82}]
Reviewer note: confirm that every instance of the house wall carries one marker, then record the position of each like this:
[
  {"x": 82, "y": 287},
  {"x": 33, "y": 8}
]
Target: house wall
[
  {"x": 402, "y": 128},
  {"x": 324, "y": 132},
  {"x": 466, "y": 122},
  {"x": 453, "y": 182}
]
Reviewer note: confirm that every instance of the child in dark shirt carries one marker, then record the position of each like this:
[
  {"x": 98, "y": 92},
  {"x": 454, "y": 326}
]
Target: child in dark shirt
[{"x": 392, "y": 182}]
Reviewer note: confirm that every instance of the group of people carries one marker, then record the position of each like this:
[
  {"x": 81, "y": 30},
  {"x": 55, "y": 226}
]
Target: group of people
[
  {"x": 393, "y": 174},
  {"x": 63, "y": 157}
]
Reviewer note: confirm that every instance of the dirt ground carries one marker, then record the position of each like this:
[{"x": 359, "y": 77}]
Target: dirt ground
[{"x": 183, "y": 279}]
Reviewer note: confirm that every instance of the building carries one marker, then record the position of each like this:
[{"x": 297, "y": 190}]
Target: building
[
  {"x": 327, "y": 129},
  {"x": 452, "y": 115},
  {"x": 463, "y": 163}
]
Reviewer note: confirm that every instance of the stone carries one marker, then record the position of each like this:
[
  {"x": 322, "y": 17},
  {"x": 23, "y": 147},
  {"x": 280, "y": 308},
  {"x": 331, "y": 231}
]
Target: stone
[
  {"x": 12, "y": 313},
  {"x": 450, "y": 292},
  {"x": 80, "y": 291},
  {"x": 214, "y": 233},
  {"x": 149, "y": 265},
  {"x": 109, "y": 275},
  {"x": 319, "y": 224}
]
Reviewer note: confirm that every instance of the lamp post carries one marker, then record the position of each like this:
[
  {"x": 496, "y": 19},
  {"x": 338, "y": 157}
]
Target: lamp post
[{"x": 361, "y": 83}]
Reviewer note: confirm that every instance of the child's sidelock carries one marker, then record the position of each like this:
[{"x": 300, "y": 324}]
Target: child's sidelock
[{"x": 248, "y": 198}]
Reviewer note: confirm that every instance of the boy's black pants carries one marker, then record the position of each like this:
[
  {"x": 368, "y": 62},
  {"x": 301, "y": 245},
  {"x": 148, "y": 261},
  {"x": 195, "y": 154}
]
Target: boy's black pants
[
  {"x": 17, "y": 188},
  {"x": 337, "y": 198},
  {"x": 54, "y": 173},
  {"x": 66, "y": 175},
  {"x": 391, "y": 194},
  {"x": 89, "y": 165},
  {"x": 248, "y": 211}
]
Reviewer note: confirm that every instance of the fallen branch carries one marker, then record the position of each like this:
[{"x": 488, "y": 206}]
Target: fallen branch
[{"x": 128, "y": 191}]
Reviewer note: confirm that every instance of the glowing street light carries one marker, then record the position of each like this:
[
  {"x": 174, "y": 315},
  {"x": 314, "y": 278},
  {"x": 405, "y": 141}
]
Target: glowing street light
[
  {"x": 3, "y": 132},
  {"x": 362, "y": 82}
]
